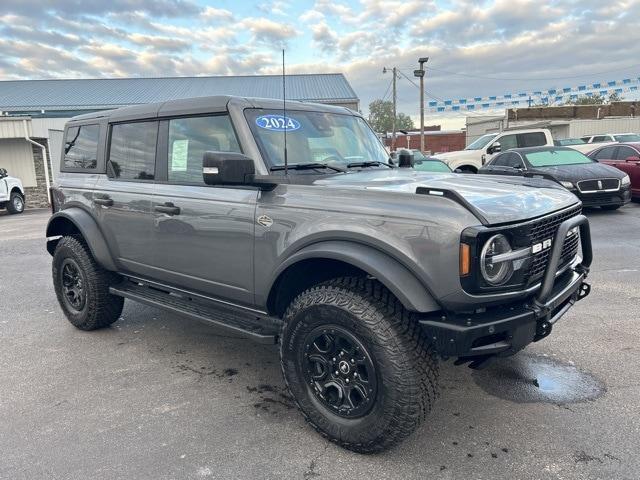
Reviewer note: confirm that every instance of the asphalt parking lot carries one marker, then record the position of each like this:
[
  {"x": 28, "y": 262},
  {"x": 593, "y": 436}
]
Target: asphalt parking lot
[{"x": 158, "y": 396}]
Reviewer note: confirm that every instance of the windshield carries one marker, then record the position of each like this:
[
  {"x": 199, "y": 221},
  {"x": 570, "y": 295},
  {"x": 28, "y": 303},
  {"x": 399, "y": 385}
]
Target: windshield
[
  {"x": 314, "y": 137},
  {"x": 481, "y": 142},
  {"x": 627, "y": 137},
  {"x": 550, "y": 158},
  {"x": 571, "y": 141},
  {"x": 431, "y": 166}
]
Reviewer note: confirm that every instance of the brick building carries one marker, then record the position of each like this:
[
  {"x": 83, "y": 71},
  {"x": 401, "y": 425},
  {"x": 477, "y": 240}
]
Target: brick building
[{"x": 435, "y": 140}]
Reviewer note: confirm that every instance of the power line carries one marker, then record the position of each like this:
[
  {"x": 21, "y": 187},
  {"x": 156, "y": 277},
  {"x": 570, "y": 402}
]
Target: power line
[
  {"x": 433, "y": 97},
  {"x": 384, "y": 97}
]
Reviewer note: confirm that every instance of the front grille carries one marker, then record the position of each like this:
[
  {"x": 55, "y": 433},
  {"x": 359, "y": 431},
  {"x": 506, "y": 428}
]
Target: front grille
[
  {"x": 545, "y": 229},
  {"x": 602, "y": 185}
]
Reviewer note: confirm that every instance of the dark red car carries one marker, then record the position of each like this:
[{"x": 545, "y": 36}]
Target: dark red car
[{"x": 625, "y": 157}]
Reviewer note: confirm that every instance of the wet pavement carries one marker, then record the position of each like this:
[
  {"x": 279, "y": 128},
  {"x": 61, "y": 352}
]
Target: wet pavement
[
  {"x": 161, "y": 397},
  {"x": 527, "y": 378}
]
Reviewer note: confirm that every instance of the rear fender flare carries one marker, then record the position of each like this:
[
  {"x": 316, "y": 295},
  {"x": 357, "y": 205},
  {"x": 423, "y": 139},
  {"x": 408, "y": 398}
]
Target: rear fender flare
[{"x": 82, "y": 221}]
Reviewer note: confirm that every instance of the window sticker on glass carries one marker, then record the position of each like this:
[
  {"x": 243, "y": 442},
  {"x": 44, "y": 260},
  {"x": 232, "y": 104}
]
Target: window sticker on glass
[
  {"x": 277, "y": 123},
  {"x": 179, "y": 155}
]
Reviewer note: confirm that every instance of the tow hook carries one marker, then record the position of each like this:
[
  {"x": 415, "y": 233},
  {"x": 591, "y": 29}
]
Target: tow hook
[{"x": 584, "y": 291}]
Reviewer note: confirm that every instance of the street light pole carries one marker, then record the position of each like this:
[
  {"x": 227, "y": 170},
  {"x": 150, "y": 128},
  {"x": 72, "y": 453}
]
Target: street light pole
[{"x": 420, "y": 73}]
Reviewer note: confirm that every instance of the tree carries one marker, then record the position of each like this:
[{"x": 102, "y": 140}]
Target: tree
[
  {"x": 595, "y": 99},
  {"x": 381, "y": 117}
]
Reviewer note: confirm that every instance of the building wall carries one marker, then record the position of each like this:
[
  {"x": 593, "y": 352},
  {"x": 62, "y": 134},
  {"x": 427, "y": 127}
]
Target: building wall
[
  {"x": 16, "y": 156},
  {"x": 579, "y": 128},
  {"x": 433, "y": 142}
]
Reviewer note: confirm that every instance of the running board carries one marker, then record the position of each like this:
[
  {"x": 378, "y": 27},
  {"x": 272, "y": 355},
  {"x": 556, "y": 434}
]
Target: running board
[{"x": 245, "y": 324}]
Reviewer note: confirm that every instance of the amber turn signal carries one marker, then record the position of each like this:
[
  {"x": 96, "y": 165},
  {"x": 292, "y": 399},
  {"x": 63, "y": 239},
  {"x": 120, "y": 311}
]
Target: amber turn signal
[{"x": 465, "y": 260}]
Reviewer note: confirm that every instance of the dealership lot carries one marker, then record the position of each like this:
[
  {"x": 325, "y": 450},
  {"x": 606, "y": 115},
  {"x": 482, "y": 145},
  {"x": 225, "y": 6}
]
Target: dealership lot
[{"x": 159, "y": 396}]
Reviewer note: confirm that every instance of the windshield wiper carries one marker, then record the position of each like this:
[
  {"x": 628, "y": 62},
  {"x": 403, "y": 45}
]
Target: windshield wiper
[
  {"x": 307, "y": 166},
  {"x": 370, "y": 163}
]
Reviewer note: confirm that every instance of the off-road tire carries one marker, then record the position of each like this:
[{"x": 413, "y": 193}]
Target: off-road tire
[
  {"x": 405, "y": 363},
  {"x": 15, "y": 203},
  {"x": 100, "y": 308},
  {"x": 610, "y": 207}
]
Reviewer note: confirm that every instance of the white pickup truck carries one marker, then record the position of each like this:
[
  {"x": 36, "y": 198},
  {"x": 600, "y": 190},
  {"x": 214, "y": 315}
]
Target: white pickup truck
[
  {"x": 11, "y": 193},
  {"x": 484, "y": 148}
]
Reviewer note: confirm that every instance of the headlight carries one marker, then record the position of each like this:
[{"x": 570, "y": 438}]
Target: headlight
[
  {"x": 626, "y": 181},
  {"x": 496, "y": 270},
  {"x": 567, "y": 185}
]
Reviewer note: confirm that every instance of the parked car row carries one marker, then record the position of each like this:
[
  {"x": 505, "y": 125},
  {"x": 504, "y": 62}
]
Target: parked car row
[{"x": 595, "y": 184}]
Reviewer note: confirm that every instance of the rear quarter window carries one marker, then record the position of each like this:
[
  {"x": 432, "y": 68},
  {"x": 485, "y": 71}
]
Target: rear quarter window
[{"x": 81, "y": 148}]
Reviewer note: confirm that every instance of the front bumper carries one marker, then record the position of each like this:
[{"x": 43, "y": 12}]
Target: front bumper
[
  {"x": 604, "y": 199},
  {"x": 506, "y": 329}
]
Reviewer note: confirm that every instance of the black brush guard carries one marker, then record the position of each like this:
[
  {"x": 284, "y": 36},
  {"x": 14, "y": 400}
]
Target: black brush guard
[{"x": 506, "y": 329}]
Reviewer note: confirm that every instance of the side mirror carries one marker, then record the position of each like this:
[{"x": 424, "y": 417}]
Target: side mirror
[
  {"x": 405, "y": 159},
  {"x": 229, "y": 168},
  {"x": 495, "y": 148},
  {"x": 3, "y": 173}
]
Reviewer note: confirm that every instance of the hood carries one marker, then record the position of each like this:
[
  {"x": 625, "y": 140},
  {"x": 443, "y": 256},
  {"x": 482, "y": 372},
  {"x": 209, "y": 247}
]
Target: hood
[
  {"x": 497, "y": 199},
  {"x": 583, "y": 171}
]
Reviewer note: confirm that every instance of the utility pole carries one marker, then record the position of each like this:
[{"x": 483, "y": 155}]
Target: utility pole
[
  {"x": 393, "y": 119},
  {"x": 420, "y": 73}
]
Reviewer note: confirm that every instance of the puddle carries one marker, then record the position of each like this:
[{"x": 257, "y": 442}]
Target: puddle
[{"x": 527, "y": 378}]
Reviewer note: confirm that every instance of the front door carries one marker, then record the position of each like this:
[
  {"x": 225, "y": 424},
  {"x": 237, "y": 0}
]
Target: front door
[
  {"x": 628, "y": 160},
  {"x": 203, "y": 236},
  {"x": 122, "y": 199}
]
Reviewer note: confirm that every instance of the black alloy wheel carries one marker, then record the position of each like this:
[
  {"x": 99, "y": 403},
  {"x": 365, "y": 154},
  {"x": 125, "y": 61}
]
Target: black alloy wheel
[{"x": 340, "y": 371}]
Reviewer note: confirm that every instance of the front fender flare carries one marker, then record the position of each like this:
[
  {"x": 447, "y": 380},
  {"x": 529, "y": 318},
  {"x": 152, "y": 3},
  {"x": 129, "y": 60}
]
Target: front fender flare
[
  {"x": 389, "y": 271},
  {"x": 88, "y": 228}
]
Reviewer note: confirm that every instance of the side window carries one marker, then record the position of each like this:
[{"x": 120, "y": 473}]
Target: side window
[
  {"x": 624, "y": 152},
  {"x": 607, "y": 153},
  {"x": 586, "y": 139},
  {"x": 515, "y": 161},
  {"x": 132, "y": 151},
  {"x": 600, "y": 139},
  {"x": 534, "y": 139},
  {"x": 189, "y": 138},
  {"x": 81, "y": 147},
  {"x": 507, "y": 142},
  {"x": 501, "y": 160}
]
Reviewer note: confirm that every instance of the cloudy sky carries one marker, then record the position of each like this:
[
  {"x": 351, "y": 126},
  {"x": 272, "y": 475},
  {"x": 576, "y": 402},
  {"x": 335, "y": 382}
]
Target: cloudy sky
[{"x": 475, "y": 48}]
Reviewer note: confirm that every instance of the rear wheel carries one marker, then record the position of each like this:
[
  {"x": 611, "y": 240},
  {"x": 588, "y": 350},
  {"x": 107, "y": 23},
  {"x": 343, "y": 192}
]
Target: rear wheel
[
  {"x": 15, "y": 203},
  {"x": 82, "y": 286},
  {"x": 357, "y": 364}
]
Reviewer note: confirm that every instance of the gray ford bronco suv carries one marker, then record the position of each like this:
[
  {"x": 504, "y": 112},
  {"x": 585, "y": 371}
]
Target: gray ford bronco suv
[{"x": 292, "y": 227}]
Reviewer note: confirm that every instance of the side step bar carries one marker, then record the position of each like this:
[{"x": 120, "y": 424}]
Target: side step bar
[{"x": 245, "y": 324}]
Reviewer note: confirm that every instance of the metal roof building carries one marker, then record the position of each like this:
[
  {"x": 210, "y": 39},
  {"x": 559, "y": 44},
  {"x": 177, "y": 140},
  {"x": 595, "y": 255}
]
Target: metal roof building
[
  {"x": 66, "y": 98},
  {"x": 33, "y": 112}
]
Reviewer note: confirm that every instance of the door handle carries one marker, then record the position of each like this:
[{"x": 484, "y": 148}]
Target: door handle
[
  {"x": 168, "y": 208},
  {"x": 105, "y": 201}
]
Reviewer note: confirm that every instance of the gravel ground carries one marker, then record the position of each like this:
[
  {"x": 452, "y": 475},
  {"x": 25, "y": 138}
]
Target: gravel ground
[{"x": 159, "y": 396}]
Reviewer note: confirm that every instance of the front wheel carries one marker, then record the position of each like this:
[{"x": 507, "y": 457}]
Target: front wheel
[
  {"x": 16, "y": 203},
  {"x": 357, "y": 364}
]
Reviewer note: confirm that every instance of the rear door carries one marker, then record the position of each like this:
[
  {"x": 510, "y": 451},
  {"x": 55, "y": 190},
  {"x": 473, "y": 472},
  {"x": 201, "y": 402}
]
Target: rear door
[
  {"x": 122, "y": 198},
  {"x": 203, "y": 236}
]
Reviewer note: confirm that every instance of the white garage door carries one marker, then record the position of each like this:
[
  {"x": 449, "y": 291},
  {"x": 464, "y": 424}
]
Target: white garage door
[{"x": 17, "y": 157}]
